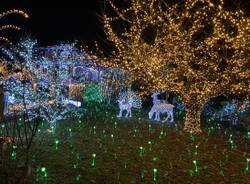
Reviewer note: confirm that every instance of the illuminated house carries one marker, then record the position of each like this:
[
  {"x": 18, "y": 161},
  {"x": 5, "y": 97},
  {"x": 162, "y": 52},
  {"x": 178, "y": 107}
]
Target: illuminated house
[
  {"x": 80, "y": 67},
  {"x": 77, "y": 66}
]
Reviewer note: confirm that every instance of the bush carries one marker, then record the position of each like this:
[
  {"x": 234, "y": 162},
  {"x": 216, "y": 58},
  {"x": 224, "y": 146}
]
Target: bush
[{"x": 92, "y": 94}]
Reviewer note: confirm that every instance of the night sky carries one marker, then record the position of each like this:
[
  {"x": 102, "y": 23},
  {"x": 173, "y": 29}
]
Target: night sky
[
  {"x": 57, "y": 21},
  {"x": 60, "y": 21}
]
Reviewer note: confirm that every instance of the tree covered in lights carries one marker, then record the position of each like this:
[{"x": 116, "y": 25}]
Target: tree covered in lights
[
  {"x": 18, "y": 84},
  {"x": 196, "y": 49},
  {"x": 44, "y": 81},
  {"x": 52, "y": 91},
  {"x": 112, "y": 82}
]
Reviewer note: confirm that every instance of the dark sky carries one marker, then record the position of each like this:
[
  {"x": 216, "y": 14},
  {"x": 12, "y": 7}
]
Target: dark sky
[{"x": 55, "y": 21}]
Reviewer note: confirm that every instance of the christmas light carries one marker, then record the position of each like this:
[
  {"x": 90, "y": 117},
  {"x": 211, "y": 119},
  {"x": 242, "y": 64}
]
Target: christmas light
[
  {"x": 195, "y": 166},
  {"x": 56, "y": 143},
  {"x": 192, "y": 52},
  {"x": 150, "y": 145},
  {"x": 93, "y": 163},
  {"x": 141, "y": 151},
  {"x": 247, "y": 165},
  {"x": 154, "y": 175}
]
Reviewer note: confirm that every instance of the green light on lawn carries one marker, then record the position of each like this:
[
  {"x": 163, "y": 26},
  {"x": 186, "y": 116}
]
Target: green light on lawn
[
  {"x": 142, "y": 175},
  {"x": 161, "y": 133},
  {"x": 74, "y": 166},
  {"x": 141, "y": 151},
  {"x": 154, "y": 174},
  {"x": 78, "y": 177},
  {"x": 13, "y": 155},
  {"x": 149, "y": 128},
  {"x": 195, "y": 166},
  {"x": 56, "y": 143},
  {"x": 93, "y": 160},
  {"x": 247, "y": 165},
  {"x": 196, "y": 149},
  {"x": 70, "y": 131},
  {"x": 43, "y": 172},
  {"x": 150, "y": 145},
  {"x": 155, "y": 158},
  {"x": 112, "y": 137}
]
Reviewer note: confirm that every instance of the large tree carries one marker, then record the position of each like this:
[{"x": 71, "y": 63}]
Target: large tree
[{"x": 197, "y": 49}]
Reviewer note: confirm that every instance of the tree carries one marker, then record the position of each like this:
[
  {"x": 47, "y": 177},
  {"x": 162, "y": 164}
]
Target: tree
[
  {"x": 23, "y": 126},
  {"x": 112, "y": 82},
  {"x": 4, "y": 40},
  {"x": 196, "y": 49}
]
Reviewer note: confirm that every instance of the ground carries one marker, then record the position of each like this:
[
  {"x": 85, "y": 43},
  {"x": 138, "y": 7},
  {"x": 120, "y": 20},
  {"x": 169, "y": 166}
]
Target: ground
[{"x": 106, "y": 150}]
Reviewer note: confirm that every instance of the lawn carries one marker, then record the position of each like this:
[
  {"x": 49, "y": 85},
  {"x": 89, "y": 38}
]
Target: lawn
[{"x": 107, "y": 150}]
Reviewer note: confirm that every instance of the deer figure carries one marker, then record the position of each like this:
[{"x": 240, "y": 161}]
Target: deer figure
[{"x": 160, "y": 107}]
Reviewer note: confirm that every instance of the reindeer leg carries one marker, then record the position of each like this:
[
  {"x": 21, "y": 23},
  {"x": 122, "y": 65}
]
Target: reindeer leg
[
  {"x": 157, "y": 116},
  {"x": 120, "y": 114},
  {"x": 155, "y": 113},
  {"x": 149, "y": 115},
  {"x": 126, "y": 113},
  {"x": 172, "y": 116}
]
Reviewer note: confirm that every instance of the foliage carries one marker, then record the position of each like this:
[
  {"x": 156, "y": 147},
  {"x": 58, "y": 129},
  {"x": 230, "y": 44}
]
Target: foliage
[{"x": 92, "y": 94}]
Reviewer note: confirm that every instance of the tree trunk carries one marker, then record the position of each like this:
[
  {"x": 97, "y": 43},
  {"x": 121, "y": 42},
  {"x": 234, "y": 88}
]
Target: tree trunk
[{"x": 193, "y": 118}]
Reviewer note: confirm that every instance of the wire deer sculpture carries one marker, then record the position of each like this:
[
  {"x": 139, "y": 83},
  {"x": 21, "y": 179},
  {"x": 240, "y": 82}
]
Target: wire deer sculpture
[{"x": 160, "y": 107}]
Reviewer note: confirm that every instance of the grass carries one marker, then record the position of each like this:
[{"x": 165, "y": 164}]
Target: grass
[{"x": 124, "y": 154}]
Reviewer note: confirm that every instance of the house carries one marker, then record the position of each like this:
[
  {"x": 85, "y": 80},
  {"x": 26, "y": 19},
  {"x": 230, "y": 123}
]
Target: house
[{"x": 68, "y": 66}]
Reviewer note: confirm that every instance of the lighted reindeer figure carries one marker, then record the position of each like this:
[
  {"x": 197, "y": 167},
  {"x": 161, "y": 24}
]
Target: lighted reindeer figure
[
  {"x": 160, "y": 107},
  {"x": 127, "y": 100}
]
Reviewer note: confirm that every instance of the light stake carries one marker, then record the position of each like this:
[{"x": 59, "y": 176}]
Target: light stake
[
  {"x": 154, "y": 174},
  {"x": 56, "y": 143},
  {"x": 142, "y": 175},
  {"x": 93, "y": 160},
  {"x": 195, "y": 165},
  {"x": 149, "y": 128},
  {"x": 150, "y": 145},
  {"x": 13, "y": 154},
  {"x": 78, "y": 177},
  {"x": 196, "y": 150},
  {"x": 141, "y": 151},
  {"x": 112, "y": 137},
  {"x": 247, "y": 165}
]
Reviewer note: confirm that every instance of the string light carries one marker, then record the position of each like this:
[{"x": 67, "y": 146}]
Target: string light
[
  {"x": 198, "y": 52},
  {"x": 9, "y": 26}
]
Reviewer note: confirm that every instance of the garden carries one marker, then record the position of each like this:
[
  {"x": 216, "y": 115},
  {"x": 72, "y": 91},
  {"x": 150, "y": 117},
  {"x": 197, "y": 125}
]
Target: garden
[{"x": 169, "y": 104}]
